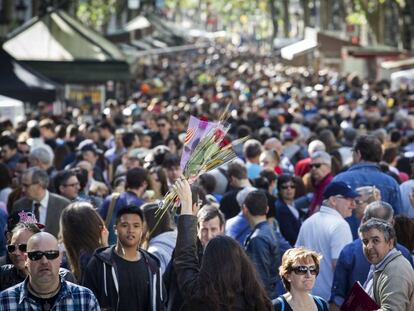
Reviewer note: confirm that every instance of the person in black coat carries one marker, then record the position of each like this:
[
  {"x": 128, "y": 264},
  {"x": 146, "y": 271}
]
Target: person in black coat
[
  {"x": 287, "y": 214},
  {"x": 226, "y": 279}
]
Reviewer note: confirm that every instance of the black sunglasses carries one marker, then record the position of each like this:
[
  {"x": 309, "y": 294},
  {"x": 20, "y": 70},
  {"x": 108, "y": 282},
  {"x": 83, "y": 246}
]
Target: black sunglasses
[
  {"x": 302, "y": 270},
  {"x": 37, "y": 255},
  {"x": 11, "y": 248},
  {"x": 284, "y": 187}
]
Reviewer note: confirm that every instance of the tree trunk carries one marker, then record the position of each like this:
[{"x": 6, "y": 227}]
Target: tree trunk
[
  {"x": 381, "y": 23},
  {"x": 324, "y": 16},
  {"x": 375, "y": 20},
  {"x": 35, "y": 7},
  {"x": 120, "y": 8},
  {"x": 407, "y": 14},
  {"x": 69, "y": 6},
  {"x": 7, "y": 11},
  {"x": 306, "y": 13},
  {"x": 273, "y": 17},
  {"x": 286, "y": 18}
]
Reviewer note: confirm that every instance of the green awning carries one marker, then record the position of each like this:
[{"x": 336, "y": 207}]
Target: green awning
[
  {"x": 82, "y": 71},
  {"x": 63, "y": 49}
]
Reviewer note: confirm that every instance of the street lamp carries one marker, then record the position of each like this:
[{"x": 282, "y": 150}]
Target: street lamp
[{"x": 21, "y": 8}]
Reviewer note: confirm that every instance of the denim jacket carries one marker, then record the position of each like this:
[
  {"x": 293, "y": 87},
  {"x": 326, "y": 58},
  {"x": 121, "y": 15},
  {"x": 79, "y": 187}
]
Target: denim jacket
[
  {"x": 369, "y": 174},
  {"x": 262, "y": 247}
]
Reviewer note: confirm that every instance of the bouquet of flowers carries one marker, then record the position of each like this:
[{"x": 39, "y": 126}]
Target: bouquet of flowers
[{"x": 205, "y": 148}]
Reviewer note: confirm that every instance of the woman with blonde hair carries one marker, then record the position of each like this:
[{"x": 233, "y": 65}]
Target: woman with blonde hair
[
  {"x": 83, "y": 231},
  {"x": 298, "y": 271}
]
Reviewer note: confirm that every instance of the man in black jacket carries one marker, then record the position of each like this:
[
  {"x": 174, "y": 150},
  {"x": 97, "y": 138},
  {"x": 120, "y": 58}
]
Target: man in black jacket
[
  {"x": 123, "y": 276},
  {"x": 262, "y": 245}
]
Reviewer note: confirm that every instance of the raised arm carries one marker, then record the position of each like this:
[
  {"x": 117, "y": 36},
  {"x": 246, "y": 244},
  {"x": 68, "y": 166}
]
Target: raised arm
[{"x": 186, "y": 260}]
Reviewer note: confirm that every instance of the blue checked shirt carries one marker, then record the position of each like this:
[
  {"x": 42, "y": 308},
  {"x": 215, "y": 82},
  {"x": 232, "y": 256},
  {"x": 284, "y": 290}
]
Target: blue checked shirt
[{"x": 71, "y": 297}]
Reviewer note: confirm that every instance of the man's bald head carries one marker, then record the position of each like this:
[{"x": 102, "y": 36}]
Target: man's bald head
[{"x": 37, "y": 238}]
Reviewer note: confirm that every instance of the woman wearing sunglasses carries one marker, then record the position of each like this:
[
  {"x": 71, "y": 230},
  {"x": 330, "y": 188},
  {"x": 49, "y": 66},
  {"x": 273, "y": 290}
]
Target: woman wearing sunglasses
[{"x": 298, "y": 271}]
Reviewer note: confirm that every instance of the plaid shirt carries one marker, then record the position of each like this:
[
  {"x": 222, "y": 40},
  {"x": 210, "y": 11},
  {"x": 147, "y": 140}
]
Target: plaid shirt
[{"x": 71, "y": 297}]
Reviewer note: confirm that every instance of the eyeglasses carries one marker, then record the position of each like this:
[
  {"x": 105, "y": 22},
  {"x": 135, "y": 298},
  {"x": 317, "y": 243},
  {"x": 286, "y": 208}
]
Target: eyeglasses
[
  {"x": 75, "y": 184},
  {"x": 344, "y": 198},
  {"x": 315, "y": 165},
  {"x": 284, "y": 187},
  {"x": 12, "y": 248},
  {"x": 37, "y": 255},
  {"x": 27, "y": 185},
  {"x": 302, "y": 270}
]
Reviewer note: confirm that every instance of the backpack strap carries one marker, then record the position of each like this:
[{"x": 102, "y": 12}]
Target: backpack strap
[
  {"x": 114, "y": 198},
  {"x": 319, "y": 302},
  {"x": 281, "y": 301}
]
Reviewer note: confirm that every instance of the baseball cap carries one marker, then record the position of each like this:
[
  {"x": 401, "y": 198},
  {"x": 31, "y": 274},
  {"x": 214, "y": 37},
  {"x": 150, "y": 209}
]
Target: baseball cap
[
  {"x": 289, "y": 134},
  {"x": 339, "y": 188}
]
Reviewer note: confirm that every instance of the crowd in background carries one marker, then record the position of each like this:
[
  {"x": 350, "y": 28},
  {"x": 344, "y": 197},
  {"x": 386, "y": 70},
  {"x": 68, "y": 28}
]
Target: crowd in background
[{"x": 326, "y": 153}]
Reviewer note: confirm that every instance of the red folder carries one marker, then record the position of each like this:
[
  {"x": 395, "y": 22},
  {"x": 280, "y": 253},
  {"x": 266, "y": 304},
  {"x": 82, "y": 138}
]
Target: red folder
[{"x": 358, "y": 300}]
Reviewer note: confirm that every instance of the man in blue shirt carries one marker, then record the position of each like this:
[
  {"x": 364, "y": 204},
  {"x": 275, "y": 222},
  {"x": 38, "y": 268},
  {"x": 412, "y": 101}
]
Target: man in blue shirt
[{"x": 367, "y": 153}]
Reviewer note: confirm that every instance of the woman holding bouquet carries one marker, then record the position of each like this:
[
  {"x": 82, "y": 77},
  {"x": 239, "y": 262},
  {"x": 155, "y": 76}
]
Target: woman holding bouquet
[{"x": 226, "y": 280}]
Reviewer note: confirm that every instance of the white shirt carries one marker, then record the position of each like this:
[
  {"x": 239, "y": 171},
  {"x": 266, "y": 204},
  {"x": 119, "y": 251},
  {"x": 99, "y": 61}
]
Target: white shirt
[
  {"x": 42, "y": 208},
  {"x": 325, "y": 232}
]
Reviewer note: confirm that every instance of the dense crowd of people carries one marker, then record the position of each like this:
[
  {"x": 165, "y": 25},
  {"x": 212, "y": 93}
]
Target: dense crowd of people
[{"x": 321, "y": 195}]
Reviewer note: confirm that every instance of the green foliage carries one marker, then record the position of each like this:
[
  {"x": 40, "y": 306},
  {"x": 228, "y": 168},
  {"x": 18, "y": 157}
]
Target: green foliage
[
  {"x": 372, "y": 13},
  {"x": 228, "y": 10},
  {"x": 96, "y": 13},
  {"x": 183, "y": 4},
  {"x": 356, "y": 18}
]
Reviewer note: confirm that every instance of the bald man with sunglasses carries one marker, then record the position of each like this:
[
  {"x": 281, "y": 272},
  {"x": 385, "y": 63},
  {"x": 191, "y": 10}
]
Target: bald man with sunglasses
[{"x": 44, "y": 289}]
